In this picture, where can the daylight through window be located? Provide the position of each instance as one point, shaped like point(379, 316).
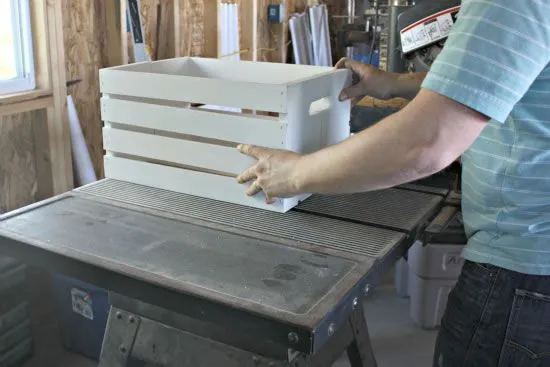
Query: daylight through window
point(16, 56)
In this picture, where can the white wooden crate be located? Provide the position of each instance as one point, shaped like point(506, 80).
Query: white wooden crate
point(154, 135)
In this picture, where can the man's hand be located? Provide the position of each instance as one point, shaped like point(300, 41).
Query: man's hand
point(373, 82)
point(367, 81)
point(274, 173)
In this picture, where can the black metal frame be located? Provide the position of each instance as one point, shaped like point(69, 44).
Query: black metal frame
point(139, 333)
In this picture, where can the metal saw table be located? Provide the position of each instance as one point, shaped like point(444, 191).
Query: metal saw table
point(198, 282)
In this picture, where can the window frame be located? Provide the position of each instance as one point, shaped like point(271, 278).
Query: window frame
point(23, 49)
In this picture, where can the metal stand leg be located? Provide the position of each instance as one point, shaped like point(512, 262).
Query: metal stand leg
point(119, 338)
point(360, 351)
point(352, 338)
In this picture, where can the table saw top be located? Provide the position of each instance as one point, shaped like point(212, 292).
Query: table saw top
point(296, 272)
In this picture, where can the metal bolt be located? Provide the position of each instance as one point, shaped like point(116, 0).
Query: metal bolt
point(119, 315)
point(331, 329)
point(293, 338)
point(355, 303)
point(131, 319)
point(367, 289)
point(122, 349)
point(255, 359)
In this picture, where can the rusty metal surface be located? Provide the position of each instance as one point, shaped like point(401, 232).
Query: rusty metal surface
point(254, 271)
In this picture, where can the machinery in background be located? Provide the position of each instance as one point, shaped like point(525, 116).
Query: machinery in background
point(361, 36)
point(396, 35)
point(418, 33)
point(408, 36)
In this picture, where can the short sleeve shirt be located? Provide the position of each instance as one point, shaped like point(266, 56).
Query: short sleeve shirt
point(496, 61)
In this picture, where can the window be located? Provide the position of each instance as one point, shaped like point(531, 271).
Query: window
point(16, 56)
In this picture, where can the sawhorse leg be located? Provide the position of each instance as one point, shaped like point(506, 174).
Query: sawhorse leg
point(353, 338)
point(131, 339)
point(360, 351)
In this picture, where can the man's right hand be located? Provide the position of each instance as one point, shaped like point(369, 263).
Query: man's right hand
point(367, 81)
point(379, 84)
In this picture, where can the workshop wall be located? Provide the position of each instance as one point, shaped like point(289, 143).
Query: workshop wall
point(19, 165)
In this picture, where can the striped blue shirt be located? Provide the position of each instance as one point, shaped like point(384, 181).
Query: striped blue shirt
point(496, 61)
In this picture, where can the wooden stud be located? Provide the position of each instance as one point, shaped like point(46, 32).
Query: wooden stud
point(210, 21)
point(58, 124)
point(115, 30)
point(177, 28)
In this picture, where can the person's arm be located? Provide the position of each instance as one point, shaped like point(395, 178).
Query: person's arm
point(494, 54)
point(407, 85)
point(397, 150)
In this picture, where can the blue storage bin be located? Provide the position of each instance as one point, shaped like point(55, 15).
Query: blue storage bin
point(82, 311)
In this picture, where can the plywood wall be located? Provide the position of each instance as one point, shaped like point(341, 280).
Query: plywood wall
point(20, 161)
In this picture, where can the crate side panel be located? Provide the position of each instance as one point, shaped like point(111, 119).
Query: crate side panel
point(179, 151)
point(305, 132)
point(255, 96)
point(316, 117)
point(185, 181)
point(246, 129)
point(338, 125)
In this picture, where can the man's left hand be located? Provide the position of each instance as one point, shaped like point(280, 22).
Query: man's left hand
point(275, 172)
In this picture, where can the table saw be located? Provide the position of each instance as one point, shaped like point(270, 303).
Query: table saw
point(199, 282)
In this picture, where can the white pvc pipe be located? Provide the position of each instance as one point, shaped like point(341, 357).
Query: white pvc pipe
point(315, 26)
point(82, 162)
point(326, 37)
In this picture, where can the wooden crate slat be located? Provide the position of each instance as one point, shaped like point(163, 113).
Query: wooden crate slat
point(189, 182)
point(255, 96)
point(237, 128)
point(183, 152)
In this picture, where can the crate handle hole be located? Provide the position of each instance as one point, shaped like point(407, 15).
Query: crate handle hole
point(320, 105)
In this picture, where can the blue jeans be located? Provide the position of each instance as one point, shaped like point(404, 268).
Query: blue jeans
point(495, 318)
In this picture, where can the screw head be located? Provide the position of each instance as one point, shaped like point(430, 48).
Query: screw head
point(331, 329)
point(293, 338)
point(131, 319)
point(119, 315)
point(367, 289)
point(355, 303)
point(255, 359)
point(122, 349)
